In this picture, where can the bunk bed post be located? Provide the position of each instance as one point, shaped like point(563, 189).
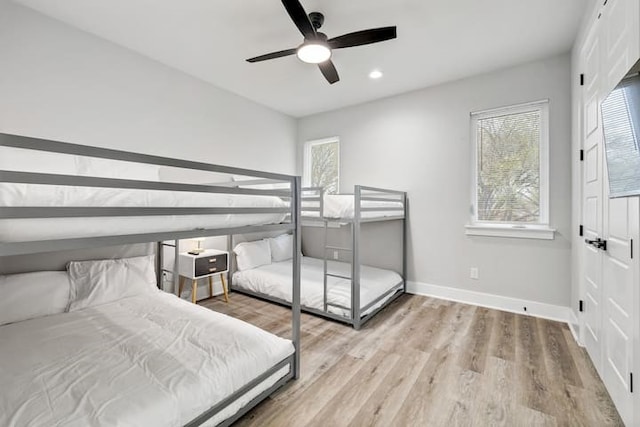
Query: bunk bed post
point(230, 261)
point(297, 258)
point(176, 274)
point(355, 265)
point(324, 260)
point(321, 195)
point(159, 265)
point(404, 242)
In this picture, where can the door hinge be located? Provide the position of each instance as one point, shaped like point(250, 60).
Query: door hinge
point(581, 79)
point(631, 247)
point(581, 230)
point(630, 382)
point(582, 155)
point(581, 306)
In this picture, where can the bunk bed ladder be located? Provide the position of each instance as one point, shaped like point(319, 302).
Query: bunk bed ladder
point(354, 260)
point(327, 250)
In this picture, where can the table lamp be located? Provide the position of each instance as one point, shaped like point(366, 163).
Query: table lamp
point(199, 249)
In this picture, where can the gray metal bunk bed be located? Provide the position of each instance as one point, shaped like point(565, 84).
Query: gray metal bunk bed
point(365, 205)
point(291, 224)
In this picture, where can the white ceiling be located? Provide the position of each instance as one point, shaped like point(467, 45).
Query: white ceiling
point(437, 41)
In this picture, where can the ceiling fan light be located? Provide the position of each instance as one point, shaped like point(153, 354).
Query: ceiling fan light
point(313, 53)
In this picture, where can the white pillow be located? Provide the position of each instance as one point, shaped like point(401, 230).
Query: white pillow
point(100, 282)
point(281, 247)
point(30, 295)
point(106, 168)
point(252, 254)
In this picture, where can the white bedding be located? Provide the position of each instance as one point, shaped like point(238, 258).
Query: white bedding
point(343, 206)
point(275, 280)
point(149, 360)
point(15, 230)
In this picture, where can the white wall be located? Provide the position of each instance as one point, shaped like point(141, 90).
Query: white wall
point(60, 83)
point(419, 142)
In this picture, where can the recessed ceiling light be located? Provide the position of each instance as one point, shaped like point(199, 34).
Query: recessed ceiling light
point(375, 74)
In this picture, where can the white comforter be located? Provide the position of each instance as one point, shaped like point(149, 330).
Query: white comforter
point(151, 360)
point(275, 280)
point(15, 230)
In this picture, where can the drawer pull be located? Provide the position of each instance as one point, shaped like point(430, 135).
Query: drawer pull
point(212, 269)
point(212, 260)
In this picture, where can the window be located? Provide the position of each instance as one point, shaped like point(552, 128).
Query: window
point(510, 179)
point(322, 164)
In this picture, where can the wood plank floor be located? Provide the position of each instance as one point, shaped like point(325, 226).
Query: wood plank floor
point(428, 362)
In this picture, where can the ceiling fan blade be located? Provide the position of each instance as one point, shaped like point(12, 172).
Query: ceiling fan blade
point(272, 55)
point(329, 71)
point(300, 18)
point(363, 37)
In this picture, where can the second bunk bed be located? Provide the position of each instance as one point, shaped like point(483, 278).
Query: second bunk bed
point(349, 290)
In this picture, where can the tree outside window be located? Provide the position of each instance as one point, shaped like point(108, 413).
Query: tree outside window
point(322, 164)
point(510, 173)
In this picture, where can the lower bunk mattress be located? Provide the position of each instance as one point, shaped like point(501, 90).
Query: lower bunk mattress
point(275, 280)
point(139, 361)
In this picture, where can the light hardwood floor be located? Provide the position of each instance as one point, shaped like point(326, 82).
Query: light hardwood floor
point(428, 362)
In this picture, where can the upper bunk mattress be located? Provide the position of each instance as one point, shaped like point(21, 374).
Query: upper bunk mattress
point(149, 360)
point(342, 206)
point(275, 280)
point(17, 230)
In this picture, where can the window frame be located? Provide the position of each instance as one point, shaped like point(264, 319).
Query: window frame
point(306, 168)
point(538, 229)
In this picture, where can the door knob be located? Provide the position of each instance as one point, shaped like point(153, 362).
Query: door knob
point(598, 243)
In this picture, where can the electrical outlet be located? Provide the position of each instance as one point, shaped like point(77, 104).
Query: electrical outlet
point(335, 254)
point(474, 273)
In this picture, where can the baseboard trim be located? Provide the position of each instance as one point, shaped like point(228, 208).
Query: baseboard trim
point(573, 327)
point(513, 305)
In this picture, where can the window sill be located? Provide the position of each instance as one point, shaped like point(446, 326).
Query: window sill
point(541, 232)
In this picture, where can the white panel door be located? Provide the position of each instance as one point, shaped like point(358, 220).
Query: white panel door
point(592, 198)
point(619, 305)
point(621, 39)
point(610, 323)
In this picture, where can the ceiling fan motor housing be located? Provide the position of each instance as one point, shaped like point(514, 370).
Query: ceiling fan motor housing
point(317, 19)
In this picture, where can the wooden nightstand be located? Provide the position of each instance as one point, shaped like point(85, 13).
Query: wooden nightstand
point(207, 264)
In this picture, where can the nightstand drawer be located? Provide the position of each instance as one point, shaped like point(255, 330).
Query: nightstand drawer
point(210, 265)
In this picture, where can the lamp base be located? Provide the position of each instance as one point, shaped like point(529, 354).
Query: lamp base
point(197, 251)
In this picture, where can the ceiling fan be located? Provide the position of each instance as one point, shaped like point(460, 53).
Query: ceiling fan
point(316, 48)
